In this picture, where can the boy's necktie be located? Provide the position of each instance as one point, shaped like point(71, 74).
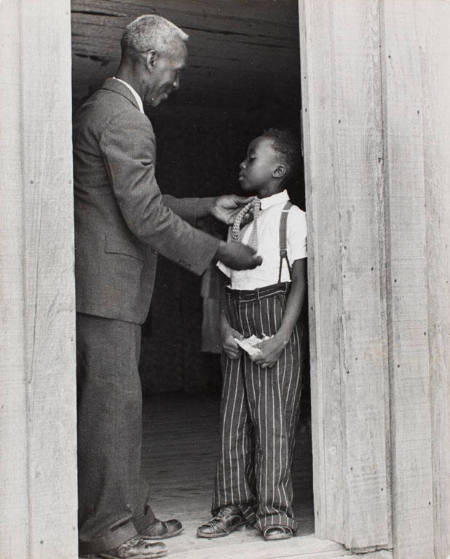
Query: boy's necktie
point(255, 208)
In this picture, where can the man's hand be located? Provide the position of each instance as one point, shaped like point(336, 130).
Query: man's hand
point(225, 208)
point(238, 256)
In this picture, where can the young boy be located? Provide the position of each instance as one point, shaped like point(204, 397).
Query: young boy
point(261, 394)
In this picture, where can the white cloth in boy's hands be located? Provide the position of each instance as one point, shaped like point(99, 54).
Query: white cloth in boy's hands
point(249, 344)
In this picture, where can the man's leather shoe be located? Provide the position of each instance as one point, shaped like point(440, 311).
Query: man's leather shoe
point(139, 547)
point(226, 521)
point(161, 530)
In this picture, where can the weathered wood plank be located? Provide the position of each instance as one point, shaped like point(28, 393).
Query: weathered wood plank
point(323, 311)
point(434, 40)
point(219, 28)
point(37, 364)
point(13, 396)
point(234, 45)
point(407, 282)
point(363, 352)
point(255, 12)
point(343, 151)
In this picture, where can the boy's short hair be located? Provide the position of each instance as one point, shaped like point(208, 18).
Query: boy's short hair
point(285, 143)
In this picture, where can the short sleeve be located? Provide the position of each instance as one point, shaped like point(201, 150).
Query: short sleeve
point(296, 234)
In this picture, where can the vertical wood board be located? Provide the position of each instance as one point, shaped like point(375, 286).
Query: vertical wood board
point(434, 46)
point(358, 171)
point(407, 281)
point(41, 385)
point(323, 288)
point(341, 90)
point(13, 394)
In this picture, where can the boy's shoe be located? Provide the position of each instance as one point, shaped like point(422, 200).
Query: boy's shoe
point(226, 521)
point(277, 533)
point(138, 547)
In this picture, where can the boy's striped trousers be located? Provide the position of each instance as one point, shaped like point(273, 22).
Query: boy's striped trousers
point(259, 413)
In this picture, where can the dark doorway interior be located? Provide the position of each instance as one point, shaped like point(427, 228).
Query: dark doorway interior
point(243, 77)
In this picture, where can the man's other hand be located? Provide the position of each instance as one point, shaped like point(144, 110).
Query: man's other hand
point(238, 256)
point(225, 208)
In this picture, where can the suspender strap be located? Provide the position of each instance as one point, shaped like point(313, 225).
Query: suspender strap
point(283, 241)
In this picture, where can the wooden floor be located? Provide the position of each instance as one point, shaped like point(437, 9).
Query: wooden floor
point(179, 454)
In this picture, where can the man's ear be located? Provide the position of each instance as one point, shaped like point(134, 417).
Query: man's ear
point(280, 171)
point(150, 58)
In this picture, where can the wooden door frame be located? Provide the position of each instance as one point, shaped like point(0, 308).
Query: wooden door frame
point(38, 506)
point(374, 83)
point(348, 328)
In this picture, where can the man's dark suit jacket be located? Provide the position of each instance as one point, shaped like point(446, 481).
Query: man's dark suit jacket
point(121, 219)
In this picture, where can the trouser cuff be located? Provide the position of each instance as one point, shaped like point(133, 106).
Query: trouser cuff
point(117, 534)
point(264, 522)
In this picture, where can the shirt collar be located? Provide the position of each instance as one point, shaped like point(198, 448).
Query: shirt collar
point(134, 92)
point(275, 199)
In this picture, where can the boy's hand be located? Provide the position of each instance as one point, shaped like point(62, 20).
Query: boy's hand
point(230, 347)
point(270, 351)
point(225, 208)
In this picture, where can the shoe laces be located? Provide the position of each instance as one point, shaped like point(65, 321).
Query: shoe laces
point(137, 541)
point(226, 512)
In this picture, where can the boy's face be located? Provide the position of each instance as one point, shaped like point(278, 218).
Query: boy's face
point(258, 168)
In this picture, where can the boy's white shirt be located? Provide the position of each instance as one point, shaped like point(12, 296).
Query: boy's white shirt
point(269, 244)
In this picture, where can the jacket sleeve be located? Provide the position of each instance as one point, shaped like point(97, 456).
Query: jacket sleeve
point(189, 209)
point(128, 147)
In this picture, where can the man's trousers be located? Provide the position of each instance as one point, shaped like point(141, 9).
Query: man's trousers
point(112, 495)
point(259, 414)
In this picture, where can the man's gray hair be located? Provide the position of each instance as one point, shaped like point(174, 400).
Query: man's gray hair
point(152, 32)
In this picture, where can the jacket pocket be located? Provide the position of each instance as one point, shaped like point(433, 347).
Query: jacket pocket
point(114, 245)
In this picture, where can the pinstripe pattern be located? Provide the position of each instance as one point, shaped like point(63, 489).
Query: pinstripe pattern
point(259, 413)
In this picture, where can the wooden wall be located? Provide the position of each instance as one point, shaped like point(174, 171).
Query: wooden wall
point(416, 78)
point(375, 83)
point(422, 45)
point(403, 102)
point(240, 51)
point(38, 504)
point(434, 40)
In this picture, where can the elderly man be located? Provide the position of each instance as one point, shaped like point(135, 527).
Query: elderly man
point(122, 221)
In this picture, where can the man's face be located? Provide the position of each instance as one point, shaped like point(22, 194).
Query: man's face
point(257, 169)
point(164, 75)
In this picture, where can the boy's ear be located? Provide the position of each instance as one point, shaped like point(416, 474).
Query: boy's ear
point(150, 58)
point(280, 171)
